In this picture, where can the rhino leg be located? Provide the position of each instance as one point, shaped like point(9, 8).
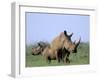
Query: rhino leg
point(58, 59)
point(66, 58)
point(59, 56)
point(48, 59)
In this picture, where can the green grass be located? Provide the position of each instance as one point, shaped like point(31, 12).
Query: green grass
point(80, 58)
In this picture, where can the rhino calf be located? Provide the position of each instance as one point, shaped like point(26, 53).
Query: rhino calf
point(38, 50)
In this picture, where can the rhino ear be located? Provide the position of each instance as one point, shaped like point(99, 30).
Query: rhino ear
point(39, 44)
point(65, 32)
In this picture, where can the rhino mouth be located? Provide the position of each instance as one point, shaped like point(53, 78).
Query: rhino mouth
point(36, 53)
point(74, 51)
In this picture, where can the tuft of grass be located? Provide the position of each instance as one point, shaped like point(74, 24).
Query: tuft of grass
point(79, 58)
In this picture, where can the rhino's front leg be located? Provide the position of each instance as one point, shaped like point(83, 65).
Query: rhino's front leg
point(60, 56)
point(48, 59)
point(57, 58)
point(66, 59)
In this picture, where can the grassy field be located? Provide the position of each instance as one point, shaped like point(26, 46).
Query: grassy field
point(81, 57)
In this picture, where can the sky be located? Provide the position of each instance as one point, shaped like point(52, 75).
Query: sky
point(46, 26)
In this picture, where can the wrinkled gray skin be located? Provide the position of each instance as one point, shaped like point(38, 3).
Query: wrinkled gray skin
point(60, 48)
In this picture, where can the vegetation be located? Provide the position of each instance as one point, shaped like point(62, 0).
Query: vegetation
point(79, 58)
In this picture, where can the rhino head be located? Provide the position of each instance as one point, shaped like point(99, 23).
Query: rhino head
point(68, 44)
point(37, 50)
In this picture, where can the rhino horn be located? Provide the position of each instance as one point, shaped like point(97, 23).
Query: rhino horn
point(77, 44)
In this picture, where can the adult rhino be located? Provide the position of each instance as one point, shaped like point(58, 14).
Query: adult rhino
point(61, 43)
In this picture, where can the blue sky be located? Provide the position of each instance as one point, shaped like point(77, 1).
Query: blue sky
point(45, 27)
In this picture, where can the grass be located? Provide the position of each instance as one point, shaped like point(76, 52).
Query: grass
point(80, 58)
